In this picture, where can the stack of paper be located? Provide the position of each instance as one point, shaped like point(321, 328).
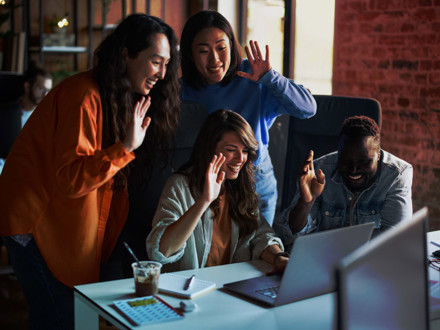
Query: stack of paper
point(175, 285)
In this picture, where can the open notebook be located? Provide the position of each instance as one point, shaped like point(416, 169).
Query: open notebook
point(174, 285)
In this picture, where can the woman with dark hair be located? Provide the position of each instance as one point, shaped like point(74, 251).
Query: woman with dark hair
point(208, 212)
point(63, 187)
point(214, 74)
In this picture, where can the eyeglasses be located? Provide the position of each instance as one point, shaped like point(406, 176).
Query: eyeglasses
point(434, 263)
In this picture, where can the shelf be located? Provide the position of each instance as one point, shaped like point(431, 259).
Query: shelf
point(104, 28)
point(59, 49)
point(68, 46)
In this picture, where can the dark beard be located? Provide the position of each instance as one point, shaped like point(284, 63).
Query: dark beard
point(33, 99)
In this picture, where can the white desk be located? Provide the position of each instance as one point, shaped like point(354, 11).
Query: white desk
point(221, 310)
point(215, 310)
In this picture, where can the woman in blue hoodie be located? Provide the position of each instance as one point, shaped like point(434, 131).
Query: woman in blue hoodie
point(214, 74)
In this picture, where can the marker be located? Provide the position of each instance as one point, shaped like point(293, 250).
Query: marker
point(436, 244)
point(189, 282)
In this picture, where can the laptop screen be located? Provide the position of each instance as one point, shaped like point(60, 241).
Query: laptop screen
point(384, 284)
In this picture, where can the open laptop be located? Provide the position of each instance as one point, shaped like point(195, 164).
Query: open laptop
point(384, 284)
point(310, 271)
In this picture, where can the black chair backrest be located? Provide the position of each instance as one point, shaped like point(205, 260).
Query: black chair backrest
point(320, 133)
point(11, 86)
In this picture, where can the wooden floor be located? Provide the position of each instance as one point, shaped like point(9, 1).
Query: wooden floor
point(14, 311)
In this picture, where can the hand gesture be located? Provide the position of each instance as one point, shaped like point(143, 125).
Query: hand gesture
point(139, 125)
point(214, 178)
point(259, 66)
point(310, 185)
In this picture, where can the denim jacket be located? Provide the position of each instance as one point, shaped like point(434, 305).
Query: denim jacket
point(385, 202)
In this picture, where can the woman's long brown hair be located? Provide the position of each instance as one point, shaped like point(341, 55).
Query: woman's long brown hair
point(242, 197)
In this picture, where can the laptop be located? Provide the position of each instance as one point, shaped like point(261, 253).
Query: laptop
point(384, 284)
point(310, 271)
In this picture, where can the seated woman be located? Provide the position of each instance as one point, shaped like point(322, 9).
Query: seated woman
point(208, 212)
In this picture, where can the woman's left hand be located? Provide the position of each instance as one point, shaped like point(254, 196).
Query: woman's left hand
point(214, 178)
point(259, 65)
point(139, 124)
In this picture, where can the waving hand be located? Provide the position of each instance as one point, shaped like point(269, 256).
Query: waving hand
point(178, 232)
point(139, 125)
point(214, 178)
point(259, 65)
point(310, 184)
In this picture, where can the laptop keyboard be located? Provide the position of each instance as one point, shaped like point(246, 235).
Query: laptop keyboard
point(271, 292)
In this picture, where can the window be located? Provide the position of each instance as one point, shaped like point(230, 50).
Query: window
point(265, 24)
point(314, 44)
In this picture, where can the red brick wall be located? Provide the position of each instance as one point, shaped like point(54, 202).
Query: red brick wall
point(390, 50)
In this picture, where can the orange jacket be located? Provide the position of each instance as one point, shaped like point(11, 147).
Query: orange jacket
point(57, 183)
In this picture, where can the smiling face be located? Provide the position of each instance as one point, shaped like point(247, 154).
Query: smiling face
point(150, 65)
point(236, 154)
point(211, 53)
point(358, 161)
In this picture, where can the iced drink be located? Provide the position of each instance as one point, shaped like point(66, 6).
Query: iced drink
point(146, 278)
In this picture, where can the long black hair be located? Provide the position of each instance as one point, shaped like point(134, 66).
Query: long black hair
point(133, 35)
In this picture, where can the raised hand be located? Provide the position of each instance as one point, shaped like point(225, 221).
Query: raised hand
point(214, 178)
point(178, 232)
point(139, 125)
point(259, 65)
point(310, 184)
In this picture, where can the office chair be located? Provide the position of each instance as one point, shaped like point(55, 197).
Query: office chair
point(11, 86)
point(320, 133)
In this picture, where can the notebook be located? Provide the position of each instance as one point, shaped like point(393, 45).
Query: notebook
point(310, 271)
point(147, 310)
point(174, 285)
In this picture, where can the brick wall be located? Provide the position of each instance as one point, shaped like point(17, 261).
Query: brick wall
point(390, 50)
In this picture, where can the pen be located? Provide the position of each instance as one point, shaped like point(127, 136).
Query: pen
point(436, 244)
point(189, 282)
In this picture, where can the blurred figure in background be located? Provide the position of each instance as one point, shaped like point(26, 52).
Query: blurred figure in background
point(13, 115)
